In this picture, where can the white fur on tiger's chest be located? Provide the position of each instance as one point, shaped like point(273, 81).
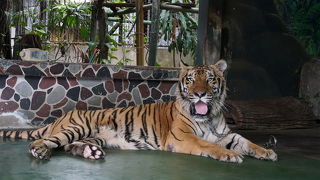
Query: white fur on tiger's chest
point(205, 132)
point(210, 137)
point(114, 139)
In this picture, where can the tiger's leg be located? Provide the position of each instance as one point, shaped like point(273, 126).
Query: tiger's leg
point(188, 143)
point(243, 146)
point(41, 148)
point(88, 148)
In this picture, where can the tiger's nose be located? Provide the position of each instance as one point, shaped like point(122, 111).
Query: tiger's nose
point(200, 94)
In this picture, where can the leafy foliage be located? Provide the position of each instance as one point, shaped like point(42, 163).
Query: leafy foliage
point(181, 29)
point(70, 16)
point(20, 18)
point(62, 17)
point(303, 19)
point(69, 22)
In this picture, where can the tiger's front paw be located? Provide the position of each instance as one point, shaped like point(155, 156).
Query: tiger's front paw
point(40, 150)
point(266, 154)
point(228, 156)
point(85, 150)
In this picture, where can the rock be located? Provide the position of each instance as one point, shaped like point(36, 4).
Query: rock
point(267, 5)
point(310, 86)
point(247, 81)
point(242, 21)
point(275, 23)
point(282, 56)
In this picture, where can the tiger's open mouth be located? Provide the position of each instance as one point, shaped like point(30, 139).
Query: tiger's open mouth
point(200, 108)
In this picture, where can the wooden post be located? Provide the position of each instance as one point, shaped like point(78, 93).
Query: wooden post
point(93, 25)
point(209, 32)
point(139, 33)
point(102, 31)
point(202, 31)
point(155, 17)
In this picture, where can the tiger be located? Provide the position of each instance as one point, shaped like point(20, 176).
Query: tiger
point(193, 124)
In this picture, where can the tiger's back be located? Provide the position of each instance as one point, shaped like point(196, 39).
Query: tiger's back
point(135, 127)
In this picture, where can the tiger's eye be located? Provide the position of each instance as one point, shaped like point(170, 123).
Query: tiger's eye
point(189, 79)
point(210, 79)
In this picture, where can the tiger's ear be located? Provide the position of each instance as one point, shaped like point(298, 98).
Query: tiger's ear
point(184, 65)
point(221, 65)
point(184, 68)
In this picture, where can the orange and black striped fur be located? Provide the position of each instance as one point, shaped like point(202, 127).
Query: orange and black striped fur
point(192, 124)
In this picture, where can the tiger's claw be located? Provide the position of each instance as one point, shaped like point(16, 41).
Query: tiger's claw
point(40, 150)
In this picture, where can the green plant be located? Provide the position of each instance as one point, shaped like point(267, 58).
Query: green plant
point(20, 18)
point(68, 22)
point(181, 30)
point(71, 17)
point(303, 19)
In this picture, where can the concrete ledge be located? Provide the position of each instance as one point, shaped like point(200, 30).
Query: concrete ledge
point(14, 121)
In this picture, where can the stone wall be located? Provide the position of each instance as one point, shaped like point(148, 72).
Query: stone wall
point(41, 92)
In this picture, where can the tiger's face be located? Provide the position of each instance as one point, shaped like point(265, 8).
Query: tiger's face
point(203, 90)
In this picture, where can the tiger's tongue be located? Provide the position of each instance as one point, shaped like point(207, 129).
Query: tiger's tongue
point(201, 108)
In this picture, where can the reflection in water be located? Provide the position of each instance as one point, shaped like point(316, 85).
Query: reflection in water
point(12, 140)
point(272, 143)
point(34, 163)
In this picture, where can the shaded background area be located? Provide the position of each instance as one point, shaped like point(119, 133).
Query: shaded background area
point(266, 57)
point(266, 43)
point(272, 49)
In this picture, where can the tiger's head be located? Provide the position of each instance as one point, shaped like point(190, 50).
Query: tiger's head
point(202, 90)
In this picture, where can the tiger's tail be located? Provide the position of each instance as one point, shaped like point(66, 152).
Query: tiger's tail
point(25, 134)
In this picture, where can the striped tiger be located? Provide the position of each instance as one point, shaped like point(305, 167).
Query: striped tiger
point(192, 124)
